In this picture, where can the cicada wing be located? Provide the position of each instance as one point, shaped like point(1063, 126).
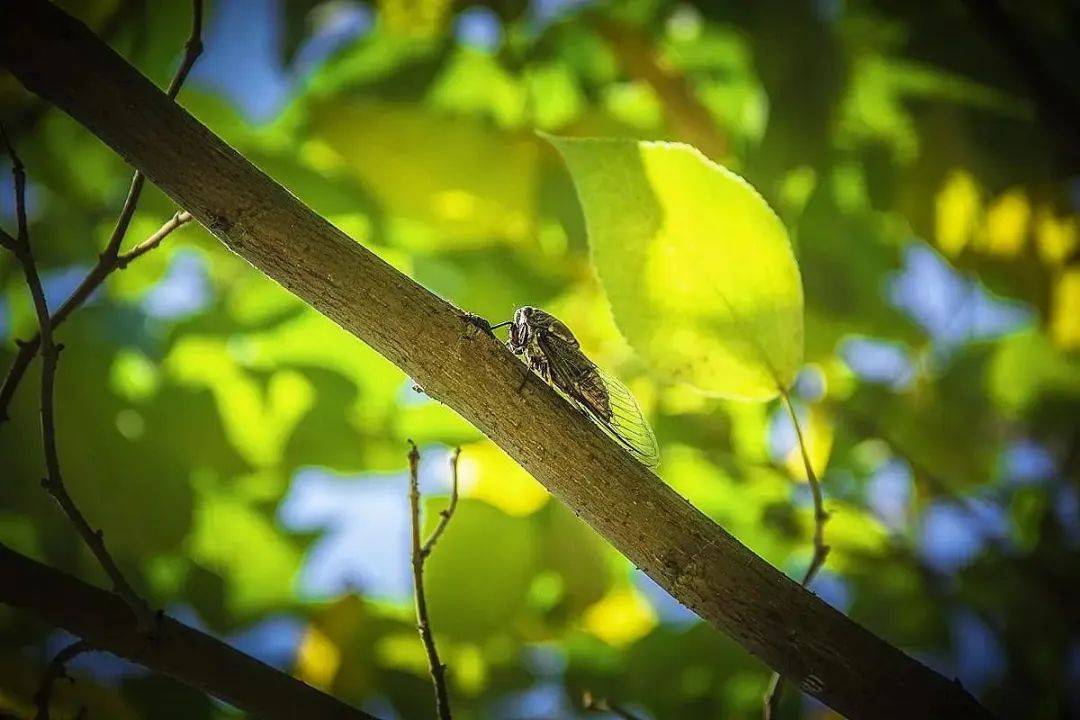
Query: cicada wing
point(628, 423)
point(607, 401)
point(553, 325)
point(567, 364)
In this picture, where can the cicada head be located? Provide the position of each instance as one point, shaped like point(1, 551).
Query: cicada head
point(521, 330)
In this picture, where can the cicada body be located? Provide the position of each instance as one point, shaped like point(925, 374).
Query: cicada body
point(553, 352)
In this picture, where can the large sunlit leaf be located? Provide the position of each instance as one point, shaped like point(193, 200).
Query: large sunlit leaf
point(698, 269)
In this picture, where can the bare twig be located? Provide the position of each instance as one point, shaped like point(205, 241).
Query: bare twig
point(591, 703)
point(57, 670)
point(775, 690)
point(111, 258)
point(179, 219)
point(53, 481)
point(29, 348)
point(420, 553)
point(6, 241)
point(446, 513)
point(192, 50)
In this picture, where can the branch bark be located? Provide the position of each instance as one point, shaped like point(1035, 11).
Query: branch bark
point(103, 620)
point(704, 567)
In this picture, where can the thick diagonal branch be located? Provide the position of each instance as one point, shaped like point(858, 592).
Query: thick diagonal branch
point(197, 660)
point(704, 567)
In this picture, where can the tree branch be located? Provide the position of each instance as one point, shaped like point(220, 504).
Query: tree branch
point(56, 670)
point(111, 259)
point(195, 659)
point(775, 690)
point(420, 554)
point(591, 703)
point(446, 513)
point(704, 567)
point(50, 354)
point(28, 349)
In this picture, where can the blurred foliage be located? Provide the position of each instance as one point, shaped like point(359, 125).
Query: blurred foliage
point(245, 457)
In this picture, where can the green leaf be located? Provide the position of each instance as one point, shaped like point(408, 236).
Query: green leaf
point(698, 269)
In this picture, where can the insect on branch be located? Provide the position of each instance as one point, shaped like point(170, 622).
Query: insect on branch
point(420, 553)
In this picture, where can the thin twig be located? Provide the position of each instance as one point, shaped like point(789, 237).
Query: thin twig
point(179, 219)
point(29, 348)
point(591, 703)
point(6, 241)
point(53, 481)
point(56, 671)
point(192, 50)
point(821, 550)
point(420, 553)
point(446, 513)
point(111, 258)
point(773, 694)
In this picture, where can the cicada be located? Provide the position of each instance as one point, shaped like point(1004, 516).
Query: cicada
point(552, 351)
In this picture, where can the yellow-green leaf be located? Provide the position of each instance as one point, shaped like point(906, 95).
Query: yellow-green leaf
point(698, 269)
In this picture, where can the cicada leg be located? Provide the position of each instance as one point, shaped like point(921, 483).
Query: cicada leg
point(540, 365)
point(524, 379)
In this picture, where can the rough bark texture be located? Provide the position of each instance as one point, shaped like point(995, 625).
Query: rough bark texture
point(704, 567)
point(106, 622)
